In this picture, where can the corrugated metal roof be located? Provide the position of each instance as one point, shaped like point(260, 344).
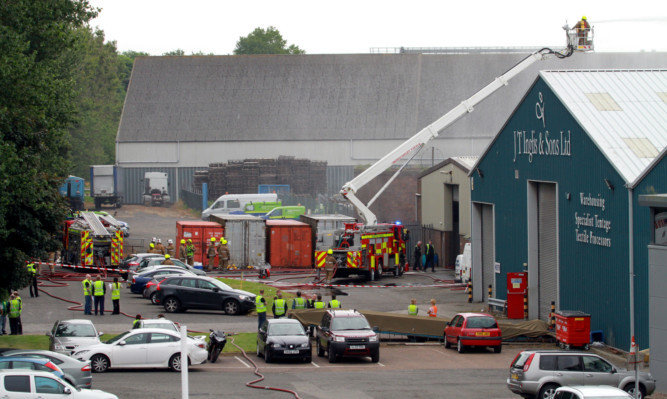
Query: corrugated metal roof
point(630, 137)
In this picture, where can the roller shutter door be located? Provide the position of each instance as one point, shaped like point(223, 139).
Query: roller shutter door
point(547, 248)
point(487, 249)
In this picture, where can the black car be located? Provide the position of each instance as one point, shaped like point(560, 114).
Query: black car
point(179, 293)
point(283, 338)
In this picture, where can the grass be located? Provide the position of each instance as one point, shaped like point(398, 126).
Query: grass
point(253, 287)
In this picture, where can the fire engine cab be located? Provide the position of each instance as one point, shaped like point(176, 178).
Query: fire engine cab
point(368, 251)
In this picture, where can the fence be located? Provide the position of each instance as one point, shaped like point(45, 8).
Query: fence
point(192, 199)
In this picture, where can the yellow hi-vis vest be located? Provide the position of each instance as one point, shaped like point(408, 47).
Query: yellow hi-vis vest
point(413, 310)
point(14, 308)
point(260, 306)
point(334, 303)
point(31, 269)
point(115, 290)
point(280, 307)
point(86, 288)
point(319, 305)
point(99, 288)
point(299, 303)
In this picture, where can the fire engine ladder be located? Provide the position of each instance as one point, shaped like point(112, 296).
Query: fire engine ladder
point(111, 220)
point(96, 226)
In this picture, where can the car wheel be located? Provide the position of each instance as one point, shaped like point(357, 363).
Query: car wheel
point(320, 349)
point(447, 343)
point(547, 391)
point(498, 349)
point(268, 356)
point(215, 354)
point(99, 363)
point(459, 346)
point(630, 388)
point(375, 357)
point(172, 305)
point(332, 355)
point(231, 307)
point(154, 298)
point(175, 362)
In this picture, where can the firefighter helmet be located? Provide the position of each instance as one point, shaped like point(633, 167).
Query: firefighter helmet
point(212, 239)
point(224, 242)
point(170, 241)
point(330, 251)
point(584, 17)
point(182, 241)
point(152, 245)
point(167, 256)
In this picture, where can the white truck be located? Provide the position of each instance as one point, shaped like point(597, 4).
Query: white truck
point(106, 185)
point(156, 189)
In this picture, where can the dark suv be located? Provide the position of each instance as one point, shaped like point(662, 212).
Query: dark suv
point(346, 333)
point(538, 373)
point(178, 293)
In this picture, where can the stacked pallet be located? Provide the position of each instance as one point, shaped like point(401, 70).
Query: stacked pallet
point(235, 178)
point(200, 177)
point(250, 172)
point(217, 179)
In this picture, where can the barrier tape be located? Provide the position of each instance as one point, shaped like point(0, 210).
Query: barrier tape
point(99, 269)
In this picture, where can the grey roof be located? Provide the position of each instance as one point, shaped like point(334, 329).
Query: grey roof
point(623, 111)
point(464, 163)
point(328, 97)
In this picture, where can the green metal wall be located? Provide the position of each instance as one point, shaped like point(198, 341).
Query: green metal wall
point(593, 277)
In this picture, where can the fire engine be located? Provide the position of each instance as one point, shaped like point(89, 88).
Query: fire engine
point(92, 239)
point(367, 249)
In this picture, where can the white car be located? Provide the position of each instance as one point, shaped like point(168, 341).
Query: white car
point(24, 384)
point(591, 392)
point(142, 348)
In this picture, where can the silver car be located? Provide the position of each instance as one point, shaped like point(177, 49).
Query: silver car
point(538, 373)
point(75, 372)
point(66, 336)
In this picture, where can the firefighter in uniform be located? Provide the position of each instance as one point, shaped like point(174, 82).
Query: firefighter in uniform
point(87, 294)
point(329, 266)
point(151, 248)
point(582, 28)
point(210, 254)
point(99, 289)
point(223, 254)
point(413, 310)
point(167, 260)
point(182, 254)
point(299, 302)
point(34, 292)
point(260, 307)
point(170, 249)
point(279, 306)
point(190, 252)
point(15, 308)
point(115, 296)
point(334, 303)
point(159, 248)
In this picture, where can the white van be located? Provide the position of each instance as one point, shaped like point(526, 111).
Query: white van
point(229, 203)
point(463, 269)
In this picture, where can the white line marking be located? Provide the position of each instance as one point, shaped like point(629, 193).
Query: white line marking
point(380, 364)
point(315, 364)
point(242, 362)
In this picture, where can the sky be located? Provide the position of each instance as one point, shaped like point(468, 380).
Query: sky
point(354, 27)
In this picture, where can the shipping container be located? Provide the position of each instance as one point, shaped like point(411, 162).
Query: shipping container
point(289, 244)
point(322, 227)
point(200, 233)
point(246, 239)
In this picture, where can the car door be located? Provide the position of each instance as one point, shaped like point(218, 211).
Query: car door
point(598, 371)
point(325, 330)
point(49, 388)
point(130, 351)
point(452, 330)
point(186, 292)
point(209, 295)
point(16, 387)
point(160, 348)
point(569, 370)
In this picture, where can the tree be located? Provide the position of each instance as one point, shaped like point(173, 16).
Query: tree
point(268, 41)
point(39, 56)
point(125, 64)
point(178, 52)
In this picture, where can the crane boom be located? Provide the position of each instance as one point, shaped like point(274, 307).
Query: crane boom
point(419, 140)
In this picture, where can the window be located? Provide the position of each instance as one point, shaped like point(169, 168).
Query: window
point(481, 322)
point(206, 285)
point(566, 395)
point(459, 322)
point(158, 338)
point(137, 339)
point(17, 383)
point(48, 385)
point(75, 330)
point(595, 364)
point(27, 366)
point(568, 363)
point(233, 204)
point(188, 282)
point(548, 362)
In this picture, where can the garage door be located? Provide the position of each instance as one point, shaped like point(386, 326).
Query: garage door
point(487, 249)
point(547, 219)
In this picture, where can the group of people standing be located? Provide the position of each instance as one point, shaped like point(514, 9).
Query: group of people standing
point(11, 309)
point(280, 306)
point(429, 256)
point(94, 291)
point(413, 310)
point(156, 247)
point(221, 250)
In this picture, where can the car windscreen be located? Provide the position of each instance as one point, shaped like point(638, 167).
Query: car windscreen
point(166, 326)
point(116, 338)
point(349, 323)
point(220, 284)
point(286, 329)
point(75, 330)
point(481, 322)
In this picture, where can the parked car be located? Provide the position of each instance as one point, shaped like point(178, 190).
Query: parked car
point(179, 293)
point(30, 363)
point(76, 373)
point(540, 372)
point(157, 261)
point(473, 329)
point(42, 384)
point(132, 262)
point(66, 336)
point(158, 323)
point(346, 333)
point(142, 348)
point(140, 280)
point(283, 338)
point(150, 291)
point(591, 392)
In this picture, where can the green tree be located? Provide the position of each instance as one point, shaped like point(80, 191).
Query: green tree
point(39, 54)
point(99, 102)
point(125, 64)
point(177, 52)
point(265, 41)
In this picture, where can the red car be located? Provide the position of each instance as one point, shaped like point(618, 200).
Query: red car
point(473, 329)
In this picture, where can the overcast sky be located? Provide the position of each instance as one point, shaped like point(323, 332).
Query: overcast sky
point(356, 26)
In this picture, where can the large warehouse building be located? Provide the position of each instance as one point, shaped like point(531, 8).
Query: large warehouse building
point(183, 113)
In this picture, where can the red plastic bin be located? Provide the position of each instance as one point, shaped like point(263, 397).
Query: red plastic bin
point(573, 328)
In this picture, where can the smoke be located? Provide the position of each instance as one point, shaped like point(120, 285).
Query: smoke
point(640, 19)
